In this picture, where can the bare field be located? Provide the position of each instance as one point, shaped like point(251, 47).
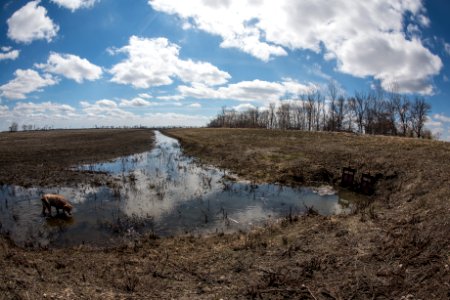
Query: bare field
point(43, 157)
point(395, 244)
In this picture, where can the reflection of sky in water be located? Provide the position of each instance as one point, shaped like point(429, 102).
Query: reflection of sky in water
point(161, 191)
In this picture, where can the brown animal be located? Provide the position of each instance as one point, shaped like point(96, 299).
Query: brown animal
point(58, 201)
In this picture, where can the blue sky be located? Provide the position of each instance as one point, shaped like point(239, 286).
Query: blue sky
point(81, 63)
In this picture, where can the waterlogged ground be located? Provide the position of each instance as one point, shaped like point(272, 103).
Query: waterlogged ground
point(162, 192)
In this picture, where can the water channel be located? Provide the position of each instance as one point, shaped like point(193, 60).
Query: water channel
point(162, 192)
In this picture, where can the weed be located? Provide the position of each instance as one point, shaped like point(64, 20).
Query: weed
point(310, 210)
point(131, 280)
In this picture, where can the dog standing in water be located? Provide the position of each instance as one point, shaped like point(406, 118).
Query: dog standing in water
point(58, 201)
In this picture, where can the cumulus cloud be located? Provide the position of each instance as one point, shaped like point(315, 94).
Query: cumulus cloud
point(366, 38)
point(72, 67)
point(145, 95)
point(4, 110)
point(105, 108)
point(73, 5)
point(195, 105)
point(255, 90)
point(31, 23)
point(171, 97)
point(103, 112)
point(174, 119)
point(155, 62)
point(441, 118)
point(46, 114)
point(8, 53)
point(244, 107)
point(25, 82)
point(135, 102)
point(44, 109)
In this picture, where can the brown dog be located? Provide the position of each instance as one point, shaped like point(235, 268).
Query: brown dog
point(58, 201)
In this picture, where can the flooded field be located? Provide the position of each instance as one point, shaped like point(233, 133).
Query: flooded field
point(160, 192)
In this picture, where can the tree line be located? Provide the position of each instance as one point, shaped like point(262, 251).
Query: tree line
point(374, 112)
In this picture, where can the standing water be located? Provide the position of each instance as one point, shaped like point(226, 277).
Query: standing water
point(162, 192)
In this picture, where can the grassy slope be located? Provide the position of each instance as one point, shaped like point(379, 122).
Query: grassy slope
point(398, 247)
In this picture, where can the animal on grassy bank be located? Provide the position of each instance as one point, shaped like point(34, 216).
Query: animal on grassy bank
point(58, 201)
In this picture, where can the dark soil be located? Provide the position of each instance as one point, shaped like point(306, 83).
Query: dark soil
point(395, 245)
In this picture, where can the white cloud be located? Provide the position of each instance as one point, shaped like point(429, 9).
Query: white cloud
point(171, 97)
point(135, 102)
point(31, 109)
point(72, 67)
point(447, 48)
point(73, 5)
point(366, 38)
point(8, 53)
point(25, 82)
point(442, 118)
point(154, 62)
point(244, 107)
point(432, 123)
point(31, 23)
point(195, 105)
point(105, 108)
point(423, 20)
point(391, 59)
point(100, 113)
point(4, 110)
point(38, 114)
point(174, 119)
point(256, 90)
point(145, 95)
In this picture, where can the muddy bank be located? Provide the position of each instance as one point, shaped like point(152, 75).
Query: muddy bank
point(395, 245)
point(43, 158)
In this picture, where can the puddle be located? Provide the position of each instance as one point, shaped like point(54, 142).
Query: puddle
point(162, 192)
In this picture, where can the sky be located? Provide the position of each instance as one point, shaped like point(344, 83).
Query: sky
point(86, 63)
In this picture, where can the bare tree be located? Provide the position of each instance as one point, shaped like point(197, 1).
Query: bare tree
point(284, 116)
point(374, 112)
point(14, 127)
point(358, 105)
point(402, 108)
point(309, 107)
point(298, 116)
point(272, 116)
point(419, 111)
point(332, 120)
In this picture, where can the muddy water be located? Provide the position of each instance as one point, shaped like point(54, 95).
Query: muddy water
point(161, 192)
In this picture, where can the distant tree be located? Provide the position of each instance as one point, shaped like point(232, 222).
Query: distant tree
point(358, 105)
point(373, 112)
point(284, 116)
point(272, 117)
point(332, 120)
point(14, 127)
